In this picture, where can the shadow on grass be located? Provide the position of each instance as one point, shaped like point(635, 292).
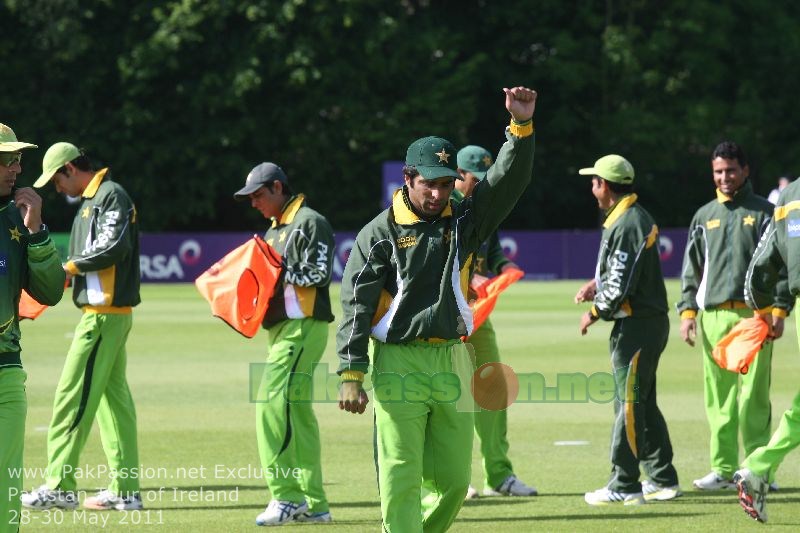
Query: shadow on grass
point(204, 488)
point(488, 502)
point(618, 516)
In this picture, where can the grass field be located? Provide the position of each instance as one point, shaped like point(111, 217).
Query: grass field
point(189, 376)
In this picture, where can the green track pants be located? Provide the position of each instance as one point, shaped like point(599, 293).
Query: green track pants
point(13, 408)
point(640, 435)
point(766, 459)
point(93, 382)
point(734, 404)
point(423, 433)
point(491, 426)
point(286, 427)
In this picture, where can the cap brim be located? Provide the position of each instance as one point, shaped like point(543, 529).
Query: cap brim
point(246, 191)
point(479, 175)
point(591, 171)
point(15, 146)
point(432, 173)
point(42, 180)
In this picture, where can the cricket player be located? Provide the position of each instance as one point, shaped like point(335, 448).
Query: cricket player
point(490, 426)
point(629, 290)
point(28, 260)
point(297, 324)
point(103, 263)
point(723, 236)
point(777, 255)
point(405, 285)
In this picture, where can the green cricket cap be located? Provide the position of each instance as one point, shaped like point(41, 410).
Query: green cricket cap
point(9, 142)
point(611, 167)
point(475, 159)
point(433, 157)
point(54, 158)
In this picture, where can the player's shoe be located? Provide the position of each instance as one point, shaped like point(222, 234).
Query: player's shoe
point(324, 516)
point(713, 481)
point(44, 498)
point(655, 492)
point(752, 494)
point(773, 487)
point(511, 487)
point(105, 500)
point(605, 496)
point(280, 512)
point(472, 493)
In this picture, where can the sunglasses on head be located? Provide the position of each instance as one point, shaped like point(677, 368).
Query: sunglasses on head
point(8, 159)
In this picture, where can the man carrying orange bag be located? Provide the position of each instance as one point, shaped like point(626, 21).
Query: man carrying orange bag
point(297, 323)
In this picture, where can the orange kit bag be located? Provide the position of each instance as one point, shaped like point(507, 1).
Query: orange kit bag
point(239, 286)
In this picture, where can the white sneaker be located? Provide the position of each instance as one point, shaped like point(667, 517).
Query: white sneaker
point(653, 491)
point(511, 487)
point(280, 512)
point(105, 500)
point(752, 494)
point(605, 496)
point(471, 493)
point(44, 498)
point(713, 481)
point(314, 517)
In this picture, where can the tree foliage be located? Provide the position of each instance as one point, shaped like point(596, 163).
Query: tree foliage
point(182, 97)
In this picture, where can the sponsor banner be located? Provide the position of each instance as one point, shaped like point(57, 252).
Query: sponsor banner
point(175, 257)
point(557, 254)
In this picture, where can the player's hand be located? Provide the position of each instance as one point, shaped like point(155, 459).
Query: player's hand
point(587, 319)
point(777, 327)
point(520, 102)
point(689, 330)
point(30, 207)
point(352, 397)
point(586, 292)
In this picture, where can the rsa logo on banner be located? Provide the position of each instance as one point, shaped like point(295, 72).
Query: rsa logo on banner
point(170, 267)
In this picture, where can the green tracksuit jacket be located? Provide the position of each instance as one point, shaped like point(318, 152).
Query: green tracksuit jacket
point(723, 235)
point(407, 278)
point(304, 238)
point(27, 261)
point(628, 274)
point(104, 247)
point(489, 259)
point(777, 256)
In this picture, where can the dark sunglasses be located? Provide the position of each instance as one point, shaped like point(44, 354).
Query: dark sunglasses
point(8, 159)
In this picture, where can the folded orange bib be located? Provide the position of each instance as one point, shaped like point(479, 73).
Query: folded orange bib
point(488, 293)
point(736, 350)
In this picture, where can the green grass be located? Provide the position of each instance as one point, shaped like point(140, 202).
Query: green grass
point(189, 376)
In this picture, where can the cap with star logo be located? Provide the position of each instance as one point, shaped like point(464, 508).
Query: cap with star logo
point(475, 159)
point(433, 157)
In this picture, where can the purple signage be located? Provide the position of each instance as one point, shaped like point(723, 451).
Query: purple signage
point(557, 254)
point(392, 180)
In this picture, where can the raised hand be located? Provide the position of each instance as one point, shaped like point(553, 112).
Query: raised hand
point(520, 102)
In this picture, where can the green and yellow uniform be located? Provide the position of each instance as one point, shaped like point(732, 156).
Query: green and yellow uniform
point(631, 292)
point(490, 426)
point(104, 262)
point(297, 324)
point(405, 285)
point(777, 258)
point(30, 262)
point(723, 236)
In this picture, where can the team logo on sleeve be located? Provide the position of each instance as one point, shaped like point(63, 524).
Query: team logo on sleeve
point(793, 227)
